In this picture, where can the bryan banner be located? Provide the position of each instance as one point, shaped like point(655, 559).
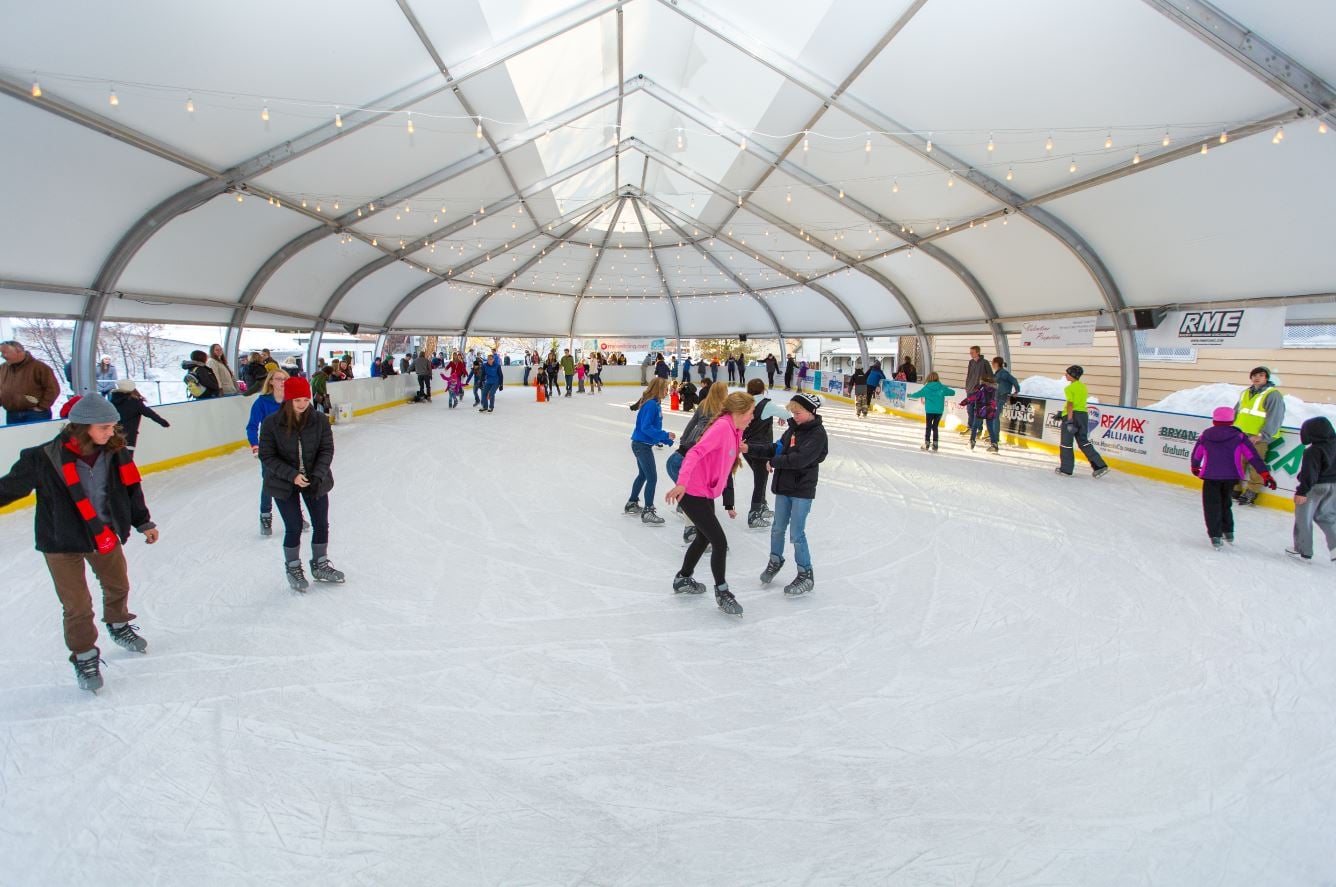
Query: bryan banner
point(895, 393)
point(1023, 417)
point(1221, 328)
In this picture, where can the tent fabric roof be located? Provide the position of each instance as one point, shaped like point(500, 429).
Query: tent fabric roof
point(656, 166)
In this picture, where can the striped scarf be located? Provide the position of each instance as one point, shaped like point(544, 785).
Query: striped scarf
point(104, 538)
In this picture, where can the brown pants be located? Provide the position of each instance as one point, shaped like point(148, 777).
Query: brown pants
point(67, 572)
point(1254, 482)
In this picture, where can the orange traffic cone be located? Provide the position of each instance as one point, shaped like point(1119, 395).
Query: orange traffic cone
point(542, 394)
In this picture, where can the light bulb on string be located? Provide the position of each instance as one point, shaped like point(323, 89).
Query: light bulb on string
point(239, 197)
point(841, 193)
point(113, 99)
point(1279, 136)
point(336, 204)
point(1203, 149)
point(1224, 136)
point(895, 187)
point(477, 131)
point(1048, 142)
point(36, 90)
point(1322, 127)
point(951, 179)
point(1164, 142)
point(1072, 168)
point(410, 122)
point(338, 120)
point(190, 105)
point(867, 145)
point(807, 143)
point(264, 113)
point(1136, 157)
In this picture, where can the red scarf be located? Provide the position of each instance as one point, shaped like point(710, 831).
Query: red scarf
point(104, 538)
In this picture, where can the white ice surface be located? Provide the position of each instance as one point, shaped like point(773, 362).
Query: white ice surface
point(1003, 677)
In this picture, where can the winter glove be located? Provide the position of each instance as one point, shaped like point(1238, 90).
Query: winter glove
point(1268, 481)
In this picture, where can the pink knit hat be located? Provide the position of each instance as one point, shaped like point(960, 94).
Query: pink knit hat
point(1224, 415)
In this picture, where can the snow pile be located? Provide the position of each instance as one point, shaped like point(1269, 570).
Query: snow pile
point(1200, 401)
point(1049, 389)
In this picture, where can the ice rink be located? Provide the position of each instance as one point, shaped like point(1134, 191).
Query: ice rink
point(1002, 677)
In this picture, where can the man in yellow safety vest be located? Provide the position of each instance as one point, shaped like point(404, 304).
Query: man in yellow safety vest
point(1259, 414)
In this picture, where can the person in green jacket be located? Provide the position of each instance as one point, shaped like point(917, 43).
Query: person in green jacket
point(934, 395)
point(568, 367)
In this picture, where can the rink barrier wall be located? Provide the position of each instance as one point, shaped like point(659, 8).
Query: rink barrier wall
point(202, 429)
point(1182, 478)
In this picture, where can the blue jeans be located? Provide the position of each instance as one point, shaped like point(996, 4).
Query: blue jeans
point(489, 395)
point(648, 475)
point(23, 417)
point(527, 370)
point(674, 465)
point(791, 514)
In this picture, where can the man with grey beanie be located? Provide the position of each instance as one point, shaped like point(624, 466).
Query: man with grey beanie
point(89, 496)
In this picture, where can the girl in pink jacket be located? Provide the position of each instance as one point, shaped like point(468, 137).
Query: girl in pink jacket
point(704, 474)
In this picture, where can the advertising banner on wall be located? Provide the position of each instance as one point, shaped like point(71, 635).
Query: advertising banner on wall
point(608, 346)
point(895, 393)
point(1220, 328)
point(1061, 332)
point(1023, 417)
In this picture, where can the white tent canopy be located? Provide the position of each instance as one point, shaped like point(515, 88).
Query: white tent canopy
point(653, 167)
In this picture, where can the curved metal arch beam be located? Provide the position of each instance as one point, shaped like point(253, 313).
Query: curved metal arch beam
point(442, 176)
point(887, 226)
point(830, 296)
point(664, 215)
point(515, 275)
point(886, 283)
point(593, 267)
point(672, 299)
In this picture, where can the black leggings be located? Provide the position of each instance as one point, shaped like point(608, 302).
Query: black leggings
point(930, 430)
point(708, 532)
point(1218, 507)
point(291, 511)
point(760, 476)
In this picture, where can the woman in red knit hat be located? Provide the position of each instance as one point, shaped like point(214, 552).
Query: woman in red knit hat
point(296, 449)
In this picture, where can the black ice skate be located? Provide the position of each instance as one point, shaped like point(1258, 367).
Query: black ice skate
point(125, 636)
point(772, 569)
point(266, 524)
point(724, 598)
point(86, 670)
point(323, 571)
point(688, 535)
point(757, 520)
point(687, 585)
point(632, 507)
point(1217, 543)
point(765, 509)
point(296, 578)
point(651, 517)
point(1100, 472)
point(801, 584)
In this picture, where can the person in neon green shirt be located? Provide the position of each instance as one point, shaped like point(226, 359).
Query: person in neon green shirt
point(1075, 425)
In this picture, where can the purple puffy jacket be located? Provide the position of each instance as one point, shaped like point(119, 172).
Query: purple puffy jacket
point(1222, 451)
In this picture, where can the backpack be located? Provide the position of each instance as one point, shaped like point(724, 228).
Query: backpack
point(193, 386)
point(760, 433)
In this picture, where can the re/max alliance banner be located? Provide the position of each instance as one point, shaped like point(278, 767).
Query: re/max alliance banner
point(1220, 328)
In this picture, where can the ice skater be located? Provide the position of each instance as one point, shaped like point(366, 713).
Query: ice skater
point(1219, 458)
point(982, 405)
point(1075, 427)
point(1315, 495)
point(700, 420)
point(89, 496)
point(705, 473)
point(296, 451)
point(648, 434)
point(268, 402)
point(797, 456)
point(759, 436)
point(934, 395)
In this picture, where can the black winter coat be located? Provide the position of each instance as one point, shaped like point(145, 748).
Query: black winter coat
point(253, 374)
point(132, 410)
point(795, 467)
point(205, 377)
point(60, 529)
point(1319, 462)
point(279, 455)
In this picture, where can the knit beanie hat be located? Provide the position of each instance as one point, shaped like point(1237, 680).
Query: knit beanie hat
point(1263, 370)
point(1075, 371)
point(808, 400)
point(125, 385)
point(296, 387)
point(93, 409)
point(1223, 416)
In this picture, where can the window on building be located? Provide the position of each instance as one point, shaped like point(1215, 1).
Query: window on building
point(1311, 336)
point(1165, 355)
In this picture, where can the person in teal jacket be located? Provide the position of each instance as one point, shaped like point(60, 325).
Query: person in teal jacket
point(934, 395)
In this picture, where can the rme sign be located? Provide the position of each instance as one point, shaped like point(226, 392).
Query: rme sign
point(1211, 323)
